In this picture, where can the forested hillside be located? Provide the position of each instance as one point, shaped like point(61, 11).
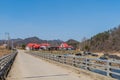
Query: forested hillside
point(105, 41)
point(73, 43)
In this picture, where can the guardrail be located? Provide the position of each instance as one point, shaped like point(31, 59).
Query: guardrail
point(5, 64)
point(105, 67)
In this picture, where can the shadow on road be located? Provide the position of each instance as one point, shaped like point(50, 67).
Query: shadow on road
point(48, 76)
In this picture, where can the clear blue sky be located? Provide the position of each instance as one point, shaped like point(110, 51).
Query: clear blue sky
point(58, 19)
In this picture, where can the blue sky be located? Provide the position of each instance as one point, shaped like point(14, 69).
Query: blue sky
point(58, 19)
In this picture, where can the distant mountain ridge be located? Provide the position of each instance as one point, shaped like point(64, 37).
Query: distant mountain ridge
point(37, 40)
point(20, 42)
point(29, 40)
point(53, 43)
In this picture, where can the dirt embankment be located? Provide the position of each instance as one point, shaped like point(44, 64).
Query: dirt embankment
point(3, 51)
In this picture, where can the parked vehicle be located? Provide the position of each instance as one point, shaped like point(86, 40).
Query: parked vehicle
point(78, 54)
point(103, 58)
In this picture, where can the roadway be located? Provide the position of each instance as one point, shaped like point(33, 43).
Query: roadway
point(27, 67)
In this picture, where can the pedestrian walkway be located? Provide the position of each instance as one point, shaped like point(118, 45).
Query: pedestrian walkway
point(27, 67)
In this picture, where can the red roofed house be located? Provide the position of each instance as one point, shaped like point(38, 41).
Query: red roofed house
point(65, 46)
point(44, 46)
point(32, 46)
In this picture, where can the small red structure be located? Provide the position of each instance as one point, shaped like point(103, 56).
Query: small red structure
point(65, 46)
point(35, 46)
point(45, 44)
point(30, 45)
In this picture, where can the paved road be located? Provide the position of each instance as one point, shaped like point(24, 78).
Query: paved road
point(27, 67)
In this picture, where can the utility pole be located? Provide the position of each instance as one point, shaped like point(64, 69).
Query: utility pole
point(12, 46)
point(8, 40)
point(84, 43)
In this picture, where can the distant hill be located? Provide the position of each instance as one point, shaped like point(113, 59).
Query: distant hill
point(17, 40)
point(29, 40)
point(2, 42)
point(12, 40)
point(36, 40)
point(105, 41)
point(73, 43)
point(54, 43)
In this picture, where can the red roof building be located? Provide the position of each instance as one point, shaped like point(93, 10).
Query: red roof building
point(65, 45)
point(45, 44)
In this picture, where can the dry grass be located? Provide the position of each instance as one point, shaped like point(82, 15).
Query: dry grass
point(3, 51)
point(72, 52)
point(62, 52)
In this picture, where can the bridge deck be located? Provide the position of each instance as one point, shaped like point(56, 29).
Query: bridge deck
point(27, 67)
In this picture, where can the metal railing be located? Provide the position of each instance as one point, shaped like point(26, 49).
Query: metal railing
point(105, 67)
point(5, 64)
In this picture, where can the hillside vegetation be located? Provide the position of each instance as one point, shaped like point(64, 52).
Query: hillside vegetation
point(106, 41)
point(73, 43)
